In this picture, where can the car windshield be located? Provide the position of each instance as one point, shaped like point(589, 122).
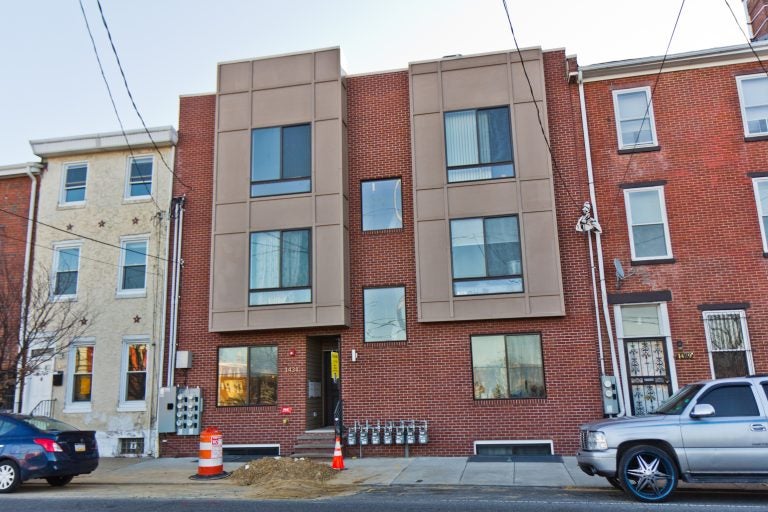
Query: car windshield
point(48, 424)
point(678, 402)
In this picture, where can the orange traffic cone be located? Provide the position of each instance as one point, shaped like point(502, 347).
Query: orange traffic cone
point(338, 459)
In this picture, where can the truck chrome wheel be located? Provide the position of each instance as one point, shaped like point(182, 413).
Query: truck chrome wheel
point(648, 473)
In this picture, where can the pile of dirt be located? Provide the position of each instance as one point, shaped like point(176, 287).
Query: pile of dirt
point(286, 478)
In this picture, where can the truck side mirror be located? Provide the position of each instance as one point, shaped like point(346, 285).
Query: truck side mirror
point(702, 411)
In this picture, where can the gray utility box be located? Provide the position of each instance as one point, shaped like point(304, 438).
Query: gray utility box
point(610, 395)
point(189, 411)
point(166, 414)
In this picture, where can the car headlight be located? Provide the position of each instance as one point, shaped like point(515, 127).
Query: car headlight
point(596, 441)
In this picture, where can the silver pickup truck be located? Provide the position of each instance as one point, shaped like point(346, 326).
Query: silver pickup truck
point(709, 431)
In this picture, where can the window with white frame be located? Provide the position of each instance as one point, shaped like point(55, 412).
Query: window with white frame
point(753, 95)
point(133, 266)
point(647, 222)
point(81, 374)
point(133, 383)
point(761, 198)
point(728, 343)
point(66, 268)
point(73, 184)
point(635, 125)
point(139, 182)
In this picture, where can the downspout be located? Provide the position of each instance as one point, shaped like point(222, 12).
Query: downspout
point(175, 276)
point(598, 240)
point(27, 265)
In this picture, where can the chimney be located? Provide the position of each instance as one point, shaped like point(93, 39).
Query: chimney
point(757, 18)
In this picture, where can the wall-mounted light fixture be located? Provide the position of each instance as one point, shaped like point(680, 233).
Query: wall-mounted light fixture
point(354, 355)
point(679, 344)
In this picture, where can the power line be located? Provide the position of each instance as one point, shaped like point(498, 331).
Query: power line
point(749, 42)
point(85, 237)
point(133, 102)
point(112, 100)
point(538, 112)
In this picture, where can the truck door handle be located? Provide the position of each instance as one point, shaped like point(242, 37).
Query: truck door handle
point(757, 427)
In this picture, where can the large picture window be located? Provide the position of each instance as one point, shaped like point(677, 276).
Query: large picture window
point(486, 256)
point(384, 314)
point(281, 160)
point(247, 376)
point(753, 93)
point(280, 265)
point(728, 343)
point(478, 144)
point(508, 366)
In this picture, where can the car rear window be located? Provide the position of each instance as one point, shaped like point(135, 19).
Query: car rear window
point(731, 401)
point(48, 424)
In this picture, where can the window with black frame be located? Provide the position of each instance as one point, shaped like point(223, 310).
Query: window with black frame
point(281, 160)
point(508, 366)
point(478, 144)
point(247, 376)
point(486, 256)
point(280, 267)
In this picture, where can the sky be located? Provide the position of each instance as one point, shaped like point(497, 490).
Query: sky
point(50, 84)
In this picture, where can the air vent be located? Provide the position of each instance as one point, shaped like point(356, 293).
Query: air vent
point(131, 446)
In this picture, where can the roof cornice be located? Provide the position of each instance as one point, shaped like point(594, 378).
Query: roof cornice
point(101, 142)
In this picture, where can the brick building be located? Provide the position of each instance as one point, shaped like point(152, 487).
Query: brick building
point(404, 221)
point(18, 194)
point(682, 192)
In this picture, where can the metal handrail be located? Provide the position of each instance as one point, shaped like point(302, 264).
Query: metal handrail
point(44, 408)
point(338, 418)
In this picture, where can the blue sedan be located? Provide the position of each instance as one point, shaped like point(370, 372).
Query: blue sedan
point(40, 447)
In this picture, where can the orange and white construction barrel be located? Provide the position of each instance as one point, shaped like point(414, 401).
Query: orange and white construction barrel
point(211, 456)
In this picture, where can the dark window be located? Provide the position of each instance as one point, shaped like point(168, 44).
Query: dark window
point(281, 160)
point(280, 266)
point(5, 427)
point(247, 376)
point(382, 204)
point(384, 314)
point(486, 256)
point(74, 183)
point(765, 389)
point(67, 268)
point(731, 401)
point(514, 449)
point(508, 366)
point(478, 144)
point(134, 266)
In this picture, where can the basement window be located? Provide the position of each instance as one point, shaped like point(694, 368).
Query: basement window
point(131, 445)
point(513, 448)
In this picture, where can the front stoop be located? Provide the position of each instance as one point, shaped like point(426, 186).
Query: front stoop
point(315, 445)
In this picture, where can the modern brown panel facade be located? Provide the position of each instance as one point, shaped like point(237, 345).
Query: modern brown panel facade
point(456, 85)
point(284, 91)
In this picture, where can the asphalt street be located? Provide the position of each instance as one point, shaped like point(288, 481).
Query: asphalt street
point(407, 498)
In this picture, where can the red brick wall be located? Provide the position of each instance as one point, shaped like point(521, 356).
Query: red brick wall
point(14, 197)
point(429, 377)
point(758, 17)
point(713, 221)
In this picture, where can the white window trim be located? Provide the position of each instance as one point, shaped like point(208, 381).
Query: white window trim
point(62, 188)
point(745, 332)
point(58, 246)
point(664, 332)
point(127, 197)
point(69, 405)
point(133, 405)
point(139, 292)
point(651, 119)
point(742, 106)
point(760, 213)
point(665, 221)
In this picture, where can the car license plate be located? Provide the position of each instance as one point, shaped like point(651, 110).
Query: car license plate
point(79, 447)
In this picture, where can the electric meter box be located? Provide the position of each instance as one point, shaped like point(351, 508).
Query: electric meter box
point(189, 411)
point(610, 395)
point(166, 414)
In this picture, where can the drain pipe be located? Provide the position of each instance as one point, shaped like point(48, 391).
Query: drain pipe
point(178, 215)
point(27, 262)
point(598, 240)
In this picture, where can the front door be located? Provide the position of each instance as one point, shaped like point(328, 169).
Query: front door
point(38, 386)
point(648, 371)
point(330, 389)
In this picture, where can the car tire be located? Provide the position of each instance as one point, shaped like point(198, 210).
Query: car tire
point(59, 481)
point(10, 477)
point(647, 473)
point(615, 483)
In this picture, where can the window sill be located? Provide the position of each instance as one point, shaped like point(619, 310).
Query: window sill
point(138, 407)
point(382, 231)
point(131, 295)
point(132, 200)
point(77, 409)
point(505, 179)
point(388, 342)
point(756, 138)
point(510, 401)
point(63, 298)
point(660, 261)
point(71, 206)
point(641, 149)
